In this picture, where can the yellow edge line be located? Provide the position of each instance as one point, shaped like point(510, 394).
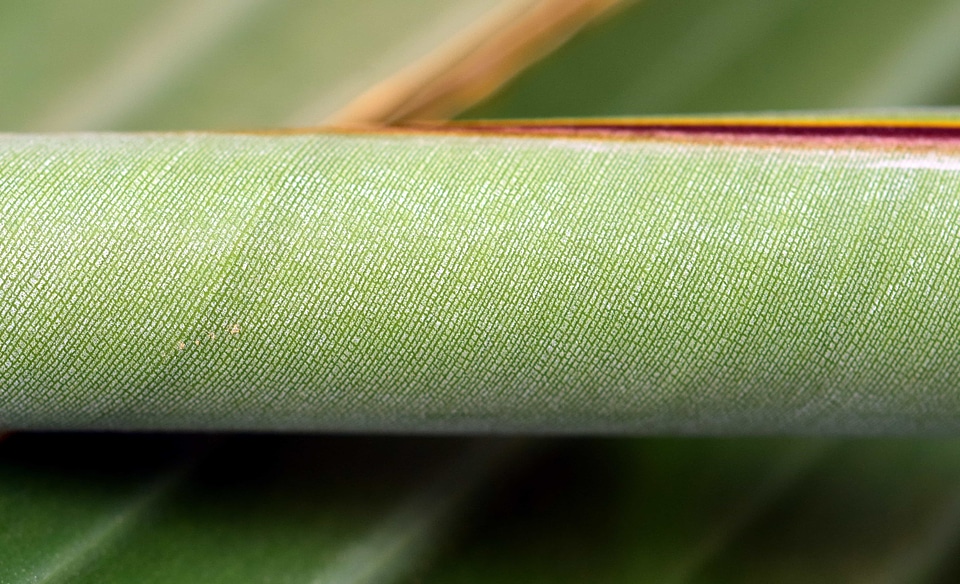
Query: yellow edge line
point(710, 121)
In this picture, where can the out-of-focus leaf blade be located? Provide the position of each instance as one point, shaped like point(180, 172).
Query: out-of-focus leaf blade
point(256, 509)
point(684, 281)
point(670, 511)
point(877, 511)
point(192, 64)
point(665, 57)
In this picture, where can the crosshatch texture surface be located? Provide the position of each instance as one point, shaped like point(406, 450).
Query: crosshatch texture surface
point(457, 283)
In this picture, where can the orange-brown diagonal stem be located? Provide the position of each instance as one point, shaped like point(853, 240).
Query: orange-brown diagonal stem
point(475, 64)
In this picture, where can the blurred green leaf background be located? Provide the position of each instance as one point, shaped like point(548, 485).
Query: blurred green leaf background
point(296, 508)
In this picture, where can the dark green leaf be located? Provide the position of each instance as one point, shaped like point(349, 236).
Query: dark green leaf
point(698, 56)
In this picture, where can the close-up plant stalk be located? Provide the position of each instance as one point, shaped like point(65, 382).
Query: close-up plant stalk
point(479, 291)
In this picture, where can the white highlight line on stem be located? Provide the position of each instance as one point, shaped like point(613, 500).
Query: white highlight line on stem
point(926, 163)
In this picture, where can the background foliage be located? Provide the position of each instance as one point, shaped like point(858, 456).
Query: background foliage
point(172, 508)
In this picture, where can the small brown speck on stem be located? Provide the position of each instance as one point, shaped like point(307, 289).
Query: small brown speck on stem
point(235, 329)
point(181, 345)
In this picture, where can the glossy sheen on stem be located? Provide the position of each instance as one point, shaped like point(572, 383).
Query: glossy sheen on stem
point(472, 282)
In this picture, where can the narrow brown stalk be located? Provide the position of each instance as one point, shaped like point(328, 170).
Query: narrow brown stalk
point(475, 64)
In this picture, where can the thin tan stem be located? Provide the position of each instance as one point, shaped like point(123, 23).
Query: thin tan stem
point(475, 64)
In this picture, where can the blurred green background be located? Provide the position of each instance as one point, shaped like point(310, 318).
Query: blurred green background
point(202, 508)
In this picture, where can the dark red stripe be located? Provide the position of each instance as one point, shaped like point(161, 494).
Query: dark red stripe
point(938, 132)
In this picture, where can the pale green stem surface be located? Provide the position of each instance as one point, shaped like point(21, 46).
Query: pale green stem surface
point(452, 283)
